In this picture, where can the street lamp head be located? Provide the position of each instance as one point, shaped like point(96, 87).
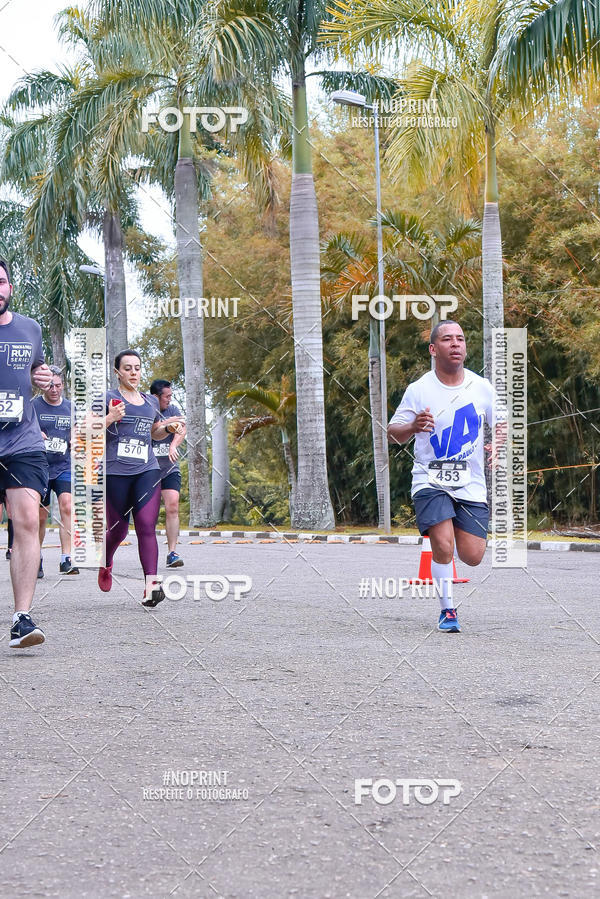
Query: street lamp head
point(349, 98)
point(91, 270)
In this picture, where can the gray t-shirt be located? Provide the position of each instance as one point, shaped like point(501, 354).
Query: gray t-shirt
point(128, 442)
point(161, 447)
point(20, 351)
point(55, 422)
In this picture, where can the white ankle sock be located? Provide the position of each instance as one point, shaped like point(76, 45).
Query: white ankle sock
point(442, 577)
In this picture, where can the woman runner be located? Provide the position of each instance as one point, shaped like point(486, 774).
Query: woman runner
point(132, 471)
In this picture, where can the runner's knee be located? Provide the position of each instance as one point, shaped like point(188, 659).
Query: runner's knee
point(442, 549)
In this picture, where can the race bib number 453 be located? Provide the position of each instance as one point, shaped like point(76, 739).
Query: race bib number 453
point(11, 406)
point(449, 475)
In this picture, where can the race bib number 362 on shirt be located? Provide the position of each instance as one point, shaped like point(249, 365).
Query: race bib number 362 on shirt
point(11, 406)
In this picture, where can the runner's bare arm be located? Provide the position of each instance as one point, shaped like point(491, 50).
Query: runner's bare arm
point(160, 429)
point(422, 423)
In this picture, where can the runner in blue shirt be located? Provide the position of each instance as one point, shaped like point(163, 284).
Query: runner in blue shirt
point(54, 414)
point(23, 463)
point(132, 472)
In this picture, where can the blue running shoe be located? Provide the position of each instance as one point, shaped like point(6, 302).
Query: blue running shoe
point(449, 621)
point(25, 632)
point(174, 561)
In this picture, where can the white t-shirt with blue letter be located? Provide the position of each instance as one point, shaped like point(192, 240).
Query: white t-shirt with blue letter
point(458, 414)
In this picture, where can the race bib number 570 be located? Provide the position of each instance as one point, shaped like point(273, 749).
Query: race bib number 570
point(133, 449)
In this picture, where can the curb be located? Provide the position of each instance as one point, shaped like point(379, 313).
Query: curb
point(408, 540)
point(370, 539)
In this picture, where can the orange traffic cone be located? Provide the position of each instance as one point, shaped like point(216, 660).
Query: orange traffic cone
point(424, 576)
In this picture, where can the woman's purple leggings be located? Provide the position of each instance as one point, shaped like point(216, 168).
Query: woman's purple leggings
point(140, 494)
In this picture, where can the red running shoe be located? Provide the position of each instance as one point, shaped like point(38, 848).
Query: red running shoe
point(105, 578)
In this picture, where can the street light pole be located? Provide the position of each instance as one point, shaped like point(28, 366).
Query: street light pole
point(100, 273)
point(352, 98)
point(387, 524)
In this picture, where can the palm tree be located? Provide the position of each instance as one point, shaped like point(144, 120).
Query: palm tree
point(280, 405)
point(549, 45)
point(51, 289)
point(483, 62)
point(455, 41)
point(156, 56)
point(221, 485)
point(73, 172)
point(280, 37)
point(45, 254)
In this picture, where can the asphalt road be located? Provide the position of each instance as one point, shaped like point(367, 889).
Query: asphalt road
point(288, 695)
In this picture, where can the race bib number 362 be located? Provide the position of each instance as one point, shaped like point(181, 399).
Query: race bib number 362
point(449, 475)
point(11, 406)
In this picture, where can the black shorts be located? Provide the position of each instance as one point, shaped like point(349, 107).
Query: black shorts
point(433, 506)
point(28, 470)
point(172, 481)
point(59, 485)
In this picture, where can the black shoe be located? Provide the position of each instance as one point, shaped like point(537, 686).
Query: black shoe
point(25, 632)
point(67, 568)
point(156, 595)
point(41, 570)
point(8, 554)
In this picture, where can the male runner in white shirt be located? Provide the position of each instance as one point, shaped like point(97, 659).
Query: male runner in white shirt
point(445, 411)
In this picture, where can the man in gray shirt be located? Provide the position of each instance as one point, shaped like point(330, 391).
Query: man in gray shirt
point(23, 463)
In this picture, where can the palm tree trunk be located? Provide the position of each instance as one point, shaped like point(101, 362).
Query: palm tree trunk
point(57, 339)
point(289, 461)
point(115, 308)
point(221, 492)
point(491, 251)
point(189, 276)
point(312, 507)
